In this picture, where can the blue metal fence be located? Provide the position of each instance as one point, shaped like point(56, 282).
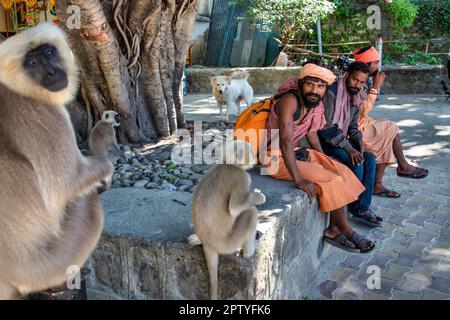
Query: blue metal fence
point(232, 41)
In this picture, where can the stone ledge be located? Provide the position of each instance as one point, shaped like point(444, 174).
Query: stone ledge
point(143, 253)
point(399, 79)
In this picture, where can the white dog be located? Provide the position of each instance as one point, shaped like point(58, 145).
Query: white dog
point(231, 90)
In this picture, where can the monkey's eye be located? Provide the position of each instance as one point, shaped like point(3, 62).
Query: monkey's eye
point(31, 62)
point(49, 52)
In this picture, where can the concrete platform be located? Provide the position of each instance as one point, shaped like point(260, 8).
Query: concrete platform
point(143, 253)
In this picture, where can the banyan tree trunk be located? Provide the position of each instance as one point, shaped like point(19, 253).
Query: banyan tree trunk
point(131, 55)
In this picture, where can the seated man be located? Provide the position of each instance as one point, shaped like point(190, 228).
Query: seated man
point(297, 111)
point(341, 139)
point(381, 136)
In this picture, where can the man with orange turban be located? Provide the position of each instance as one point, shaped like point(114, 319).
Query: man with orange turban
point(297, 111)
point(381, 136)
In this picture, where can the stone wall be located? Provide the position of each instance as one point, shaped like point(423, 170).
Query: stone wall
point(143, 253)
point(399, 79)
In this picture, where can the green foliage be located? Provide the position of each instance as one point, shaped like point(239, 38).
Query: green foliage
point(402, 14)
point(419, 57)
point(387, 58)
point(433, 18)
point(290, 18)
point(344, 9)
point(397, 47)
point(347, 24)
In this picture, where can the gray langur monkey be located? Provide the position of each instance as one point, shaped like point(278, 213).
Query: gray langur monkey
point(223, 209)
point(102, 138)
point(50, 214)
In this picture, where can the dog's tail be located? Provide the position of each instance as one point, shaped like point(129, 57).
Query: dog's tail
point(239, 74)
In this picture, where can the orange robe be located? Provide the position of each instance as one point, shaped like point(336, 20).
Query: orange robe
point(378, 135)
point(336, 184)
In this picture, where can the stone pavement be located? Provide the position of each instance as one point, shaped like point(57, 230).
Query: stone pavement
point(413, 249)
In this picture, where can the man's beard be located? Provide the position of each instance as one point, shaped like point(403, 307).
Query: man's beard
point(353, 91)
point(311, 100)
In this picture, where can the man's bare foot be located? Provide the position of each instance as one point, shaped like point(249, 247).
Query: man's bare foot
point(380, 190)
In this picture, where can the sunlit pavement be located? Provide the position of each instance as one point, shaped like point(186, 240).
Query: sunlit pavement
point(413, 249)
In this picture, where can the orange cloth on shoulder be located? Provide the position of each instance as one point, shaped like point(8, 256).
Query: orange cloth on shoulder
point(368, 56)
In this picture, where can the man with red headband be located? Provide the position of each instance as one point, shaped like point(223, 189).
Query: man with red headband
point(381, 136)
point(297, 111)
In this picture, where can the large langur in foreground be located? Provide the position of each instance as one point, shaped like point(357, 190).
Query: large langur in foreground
point(223, 209)
point(50, 215)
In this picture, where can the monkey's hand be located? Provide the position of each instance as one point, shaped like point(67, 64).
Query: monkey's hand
point(258, 197)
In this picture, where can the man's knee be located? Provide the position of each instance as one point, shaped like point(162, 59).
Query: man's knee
point(370, 159)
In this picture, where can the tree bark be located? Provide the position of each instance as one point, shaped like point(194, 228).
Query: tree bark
point(131, 55)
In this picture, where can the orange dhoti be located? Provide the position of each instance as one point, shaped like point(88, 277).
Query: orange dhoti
point(379, 136)
point(336, 184)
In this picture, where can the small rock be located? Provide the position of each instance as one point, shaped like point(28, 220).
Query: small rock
point(196, 176)
point(151, 185)
point(116, 184)
point(183, 188)
point(186, 170)
point(168, 187)
point(120, 161)
point(198, 168)
point(141, 183)
point(126, 183)
point(163, 155)
point(128, 154)
point(126, 148)
point(176, 172)
point(127, 175)
point(126, 167)
point(185, 182)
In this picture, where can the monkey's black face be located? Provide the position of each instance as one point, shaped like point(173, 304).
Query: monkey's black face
point(44, 65)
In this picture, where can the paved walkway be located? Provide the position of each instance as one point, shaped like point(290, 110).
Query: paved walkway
point(413, 248)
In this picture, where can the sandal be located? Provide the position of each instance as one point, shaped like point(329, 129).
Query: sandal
point(366, 219)
point(360, 242)
point(387, 194)
point(341, 242)
point(418, 173)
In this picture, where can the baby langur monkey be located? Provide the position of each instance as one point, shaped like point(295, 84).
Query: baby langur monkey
point(102, 139)
point(223, 209)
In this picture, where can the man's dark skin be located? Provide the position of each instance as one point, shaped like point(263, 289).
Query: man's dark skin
point(313, 91)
